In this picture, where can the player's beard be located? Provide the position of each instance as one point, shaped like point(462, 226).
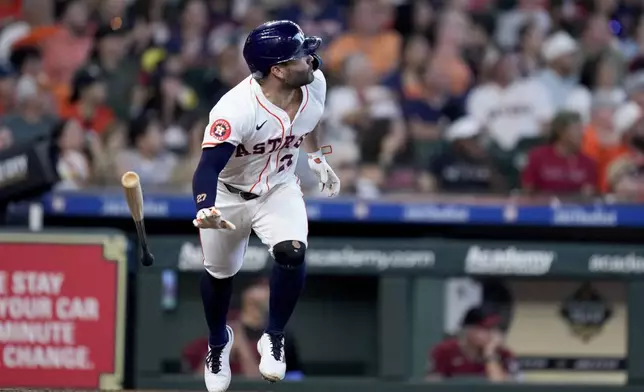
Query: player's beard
point(297, 80)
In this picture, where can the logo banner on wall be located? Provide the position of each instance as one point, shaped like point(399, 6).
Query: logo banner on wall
point(560, 331)
point(62, 303)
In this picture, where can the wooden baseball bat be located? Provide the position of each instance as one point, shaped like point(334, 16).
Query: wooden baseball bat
point(134, 197)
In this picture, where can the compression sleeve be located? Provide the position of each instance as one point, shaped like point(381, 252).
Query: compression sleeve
point(204, 182)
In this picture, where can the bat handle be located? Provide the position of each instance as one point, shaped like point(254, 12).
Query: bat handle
point(140, 231)
point(144, 252)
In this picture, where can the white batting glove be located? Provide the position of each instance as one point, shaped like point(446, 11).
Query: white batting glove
point(210, 218)
point(329, 181)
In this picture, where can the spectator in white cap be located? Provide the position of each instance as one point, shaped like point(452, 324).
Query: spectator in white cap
point(561, 53)
point(30, 121)
point(625, 174)
point(463, 165)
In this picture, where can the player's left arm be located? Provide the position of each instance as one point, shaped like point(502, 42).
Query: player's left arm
point(329, 181)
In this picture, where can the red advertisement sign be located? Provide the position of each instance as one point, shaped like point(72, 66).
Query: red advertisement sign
point(61, 311)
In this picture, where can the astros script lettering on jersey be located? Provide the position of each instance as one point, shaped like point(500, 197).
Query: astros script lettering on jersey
point(267, 142)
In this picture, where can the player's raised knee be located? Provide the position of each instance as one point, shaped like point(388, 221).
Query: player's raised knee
point(289, 254)
point(222, 273)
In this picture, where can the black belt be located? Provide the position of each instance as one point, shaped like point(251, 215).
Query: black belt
point(242, 194)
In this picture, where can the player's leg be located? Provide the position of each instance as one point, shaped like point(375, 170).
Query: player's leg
point(282, 225)
point(223, 257)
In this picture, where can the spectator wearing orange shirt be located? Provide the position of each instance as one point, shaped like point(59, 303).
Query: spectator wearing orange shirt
point(602, 139)
point(625, 174)
point(69, 47)
point(450, 40)
point(87, 103)
point(371, 35)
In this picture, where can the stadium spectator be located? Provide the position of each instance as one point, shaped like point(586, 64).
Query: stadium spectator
point(119, 72)
point(72, 162)
point(30, 120)
point(87, 103)
point(561, 53)
point(234, 31)
point(105, 151)
point(509, 106)
point(109, 12)
point(560, 167)
point(600, 78)
point(407, 80)
point(478, 45)
point(632, 45)
point(463, 166)
point(231, 70)
point(510, 22)
point(27, 61)
point(634, 85)
point(369, 34)
point(477, 351)
point(249, 327)
point(148, 156)
point(7, 89)
point(448, 48)
point(189, 36)
point(529, 47)
point(603, 140)
point(182, 176)
point(597, 40)
point(167, 92)
point(364, 119)
point(323, 18)
point(624, 174)
point(69, 48)
point(427, 115)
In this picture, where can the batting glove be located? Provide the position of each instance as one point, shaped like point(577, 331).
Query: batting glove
point(210, 218)
point(329, 181)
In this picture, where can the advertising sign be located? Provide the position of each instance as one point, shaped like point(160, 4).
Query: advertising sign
point(62, 302)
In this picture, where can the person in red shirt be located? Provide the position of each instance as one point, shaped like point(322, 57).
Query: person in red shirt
point(87, 103)
point(248, 326)
point(477, 351)
point(560, 167)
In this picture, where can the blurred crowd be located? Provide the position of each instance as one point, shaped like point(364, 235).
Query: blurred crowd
point(425, 96)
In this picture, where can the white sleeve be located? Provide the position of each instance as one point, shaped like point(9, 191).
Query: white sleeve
point(543, 106)
point(340, 103)
point(478, 105)
point(226, 124)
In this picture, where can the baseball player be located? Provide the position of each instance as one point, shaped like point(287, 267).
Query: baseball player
point(245, 181)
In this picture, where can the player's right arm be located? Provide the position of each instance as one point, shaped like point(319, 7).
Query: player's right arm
point(221, 137)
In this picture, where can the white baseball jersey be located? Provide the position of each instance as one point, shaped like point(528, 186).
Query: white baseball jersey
point(267, 141)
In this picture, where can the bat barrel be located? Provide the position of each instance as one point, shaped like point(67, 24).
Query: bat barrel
point(130, 180)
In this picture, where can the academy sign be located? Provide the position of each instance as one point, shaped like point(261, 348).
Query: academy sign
point(508, 261)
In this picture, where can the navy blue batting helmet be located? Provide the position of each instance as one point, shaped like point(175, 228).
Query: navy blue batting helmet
point(278, 42)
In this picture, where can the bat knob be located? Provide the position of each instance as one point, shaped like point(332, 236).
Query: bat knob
point(147, 259)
